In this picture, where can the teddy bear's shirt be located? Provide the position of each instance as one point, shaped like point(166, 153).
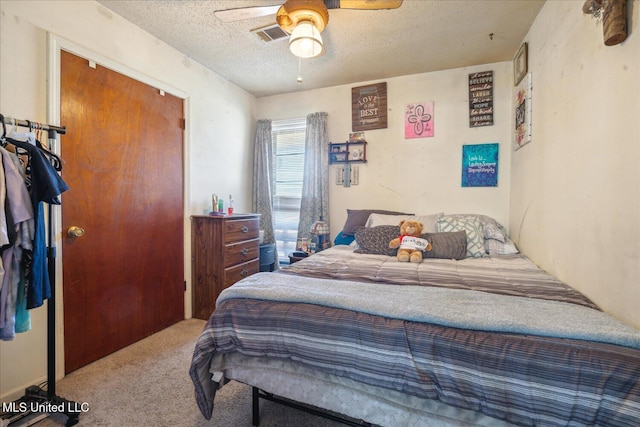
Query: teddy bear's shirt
point(413, 243)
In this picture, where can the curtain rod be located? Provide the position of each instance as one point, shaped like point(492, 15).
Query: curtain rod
point(31, 124)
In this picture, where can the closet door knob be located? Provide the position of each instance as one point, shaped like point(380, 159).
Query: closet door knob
point(74, 231)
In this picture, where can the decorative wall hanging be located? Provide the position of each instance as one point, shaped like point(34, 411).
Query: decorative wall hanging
point(344, 154)
point(522, 113)
point(356, 137)
point(419, 120)
point(348, 152)
point(481, 99)
point(520, 64)
point(614, 18)
point(369, 107)
point(480, 165)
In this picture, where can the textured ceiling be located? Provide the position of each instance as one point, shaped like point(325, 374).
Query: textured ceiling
point(361, 45)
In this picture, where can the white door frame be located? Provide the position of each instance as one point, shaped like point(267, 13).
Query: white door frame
point(55, 44)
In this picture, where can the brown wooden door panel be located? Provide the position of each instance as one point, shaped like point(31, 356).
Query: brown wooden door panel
point(123, 153)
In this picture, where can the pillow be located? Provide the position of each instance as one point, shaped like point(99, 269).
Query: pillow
point(428, 221)
point(375, 240)
point(496, 247)
point(451, 245)
point(491, 228)
point(342, 239)
point(358, 218)
point(473, 227)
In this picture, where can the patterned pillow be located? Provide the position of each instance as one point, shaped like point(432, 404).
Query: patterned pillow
point(446, 245)
point(491, 229)
point(375, 240)
point(496, 247)
point(473, 227)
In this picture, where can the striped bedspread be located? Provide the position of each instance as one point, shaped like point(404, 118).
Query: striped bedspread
point(507, 275)
point(525, 379)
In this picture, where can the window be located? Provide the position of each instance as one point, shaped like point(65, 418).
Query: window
point(288, 156)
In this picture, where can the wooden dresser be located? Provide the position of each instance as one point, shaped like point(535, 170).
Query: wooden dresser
point(224, 249)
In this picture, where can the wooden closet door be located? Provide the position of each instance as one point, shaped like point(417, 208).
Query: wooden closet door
point(123, 160)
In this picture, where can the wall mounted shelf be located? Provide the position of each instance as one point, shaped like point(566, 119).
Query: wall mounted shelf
point(348, 152)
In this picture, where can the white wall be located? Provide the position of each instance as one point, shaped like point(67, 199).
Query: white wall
point(572, 203)
point(575, 189)
point(417, 175)
point(220, 123)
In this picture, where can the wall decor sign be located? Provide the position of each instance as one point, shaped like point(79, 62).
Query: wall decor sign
point(481, 99)
point(369, 107)
point(522, 113)
point(520, 66)
point(356, 136)
point(480, 165)
point(419, 120)
point(613, 14)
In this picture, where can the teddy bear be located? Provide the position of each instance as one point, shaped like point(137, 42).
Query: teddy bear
point(410, 244)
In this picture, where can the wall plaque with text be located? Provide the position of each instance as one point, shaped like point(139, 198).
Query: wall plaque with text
point(369, 107)
point(481, 99)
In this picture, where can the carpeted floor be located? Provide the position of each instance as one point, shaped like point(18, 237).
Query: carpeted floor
point(148, 384)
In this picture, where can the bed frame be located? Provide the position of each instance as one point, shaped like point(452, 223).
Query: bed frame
point(258, 394)
point(352, 378)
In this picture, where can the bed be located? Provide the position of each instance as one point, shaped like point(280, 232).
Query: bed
point(484, 339)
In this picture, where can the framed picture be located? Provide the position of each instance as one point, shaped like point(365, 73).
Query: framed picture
point(520, 64)
point(418, 120)
point(338, 157)
point(480, 165)
point(356, 137)
point(481, 99)
point(369, 107)
point(522, 113)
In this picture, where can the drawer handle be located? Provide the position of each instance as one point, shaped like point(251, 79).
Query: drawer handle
point(245, 229)
point(244, 251)
point(244, 273)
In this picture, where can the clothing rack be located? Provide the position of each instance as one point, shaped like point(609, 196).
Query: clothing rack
point(36, 400)
point(61, 130)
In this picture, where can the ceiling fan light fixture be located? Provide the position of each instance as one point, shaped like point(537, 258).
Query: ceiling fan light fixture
point(305, 40)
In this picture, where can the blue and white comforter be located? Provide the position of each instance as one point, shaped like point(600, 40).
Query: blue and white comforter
point(524, 359)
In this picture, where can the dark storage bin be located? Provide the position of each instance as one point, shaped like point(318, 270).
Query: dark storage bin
point(267, 257)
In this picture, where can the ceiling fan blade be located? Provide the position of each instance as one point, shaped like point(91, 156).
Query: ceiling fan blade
point(363, 4)
point(230, 15)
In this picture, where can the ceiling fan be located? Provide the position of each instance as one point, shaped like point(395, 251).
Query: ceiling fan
point(303, 19)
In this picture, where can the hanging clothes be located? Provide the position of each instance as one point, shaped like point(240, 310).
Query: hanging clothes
point(45, 187)
point(26, 282)
point(20, 228)
point(4, 242)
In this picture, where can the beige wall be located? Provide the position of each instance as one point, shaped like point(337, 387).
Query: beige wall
point(575, 189)
point(571, 198)
point(418, 175)
point(220, 123)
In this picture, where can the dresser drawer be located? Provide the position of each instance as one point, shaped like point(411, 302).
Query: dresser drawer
point(224, 249)
point(238, 253)
point(239, 272)
point(244, 229)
